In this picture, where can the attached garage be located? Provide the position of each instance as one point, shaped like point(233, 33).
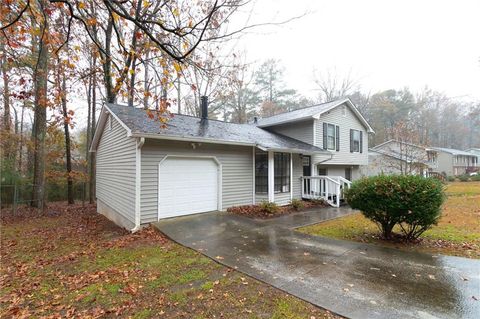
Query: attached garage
point(188, 185)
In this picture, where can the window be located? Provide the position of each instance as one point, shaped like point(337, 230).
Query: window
point(322, 171)
point(330, 136)
point(261, 173)
point(348, 173)
point(355, 141)
point(282, 172)
point(281, 167)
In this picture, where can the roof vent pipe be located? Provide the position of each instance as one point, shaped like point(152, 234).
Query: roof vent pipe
point(204, 107)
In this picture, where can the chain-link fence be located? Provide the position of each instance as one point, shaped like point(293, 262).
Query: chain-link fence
point(15, 195)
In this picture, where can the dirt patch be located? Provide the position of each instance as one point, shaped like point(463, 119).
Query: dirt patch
point(256, 211)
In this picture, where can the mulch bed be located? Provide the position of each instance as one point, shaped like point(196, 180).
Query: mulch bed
point(256, 211)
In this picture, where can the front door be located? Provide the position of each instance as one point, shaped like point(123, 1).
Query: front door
point(307, 165)
point(307, 171)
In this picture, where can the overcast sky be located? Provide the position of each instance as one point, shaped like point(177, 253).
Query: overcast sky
point(385, 44)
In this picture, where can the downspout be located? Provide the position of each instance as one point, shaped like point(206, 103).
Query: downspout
point(325, 160)
point(138, 182)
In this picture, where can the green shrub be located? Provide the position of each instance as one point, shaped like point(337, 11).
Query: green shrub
point(475, 178)
point(412, 202)
point(269, 207)
point(463, 178)
point(451, 178)
point(297, 204)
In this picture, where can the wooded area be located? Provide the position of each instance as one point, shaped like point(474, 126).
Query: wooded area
point(162, 56)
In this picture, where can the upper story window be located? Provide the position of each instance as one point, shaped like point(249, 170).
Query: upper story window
point(356, 141)
point(331, 137)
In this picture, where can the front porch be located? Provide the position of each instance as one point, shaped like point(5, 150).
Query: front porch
point(281, 177)
point(329, 188)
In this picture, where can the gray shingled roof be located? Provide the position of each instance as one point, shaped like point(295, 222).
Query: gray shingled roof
point(303, 113)
point(453, 151)
point(188, 127)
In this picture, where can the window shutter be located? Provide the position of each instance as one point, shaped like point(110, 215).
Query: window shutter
point(361, 142)
point(351, 141)
point(337, 137)
point(324, 136)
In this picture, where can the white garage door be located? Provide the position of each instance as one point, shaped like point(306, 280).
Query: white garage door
point(187, 186)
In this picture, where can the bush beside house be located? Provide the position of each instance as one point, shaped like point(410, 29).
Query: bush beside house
point(410, 202)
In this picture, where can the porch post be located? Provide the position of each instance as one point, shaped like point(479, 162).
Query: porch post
point(271, 177)
point(291, 176)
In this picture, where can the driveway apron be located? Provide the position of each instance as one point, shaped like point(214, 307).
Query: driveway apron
point(354, 280)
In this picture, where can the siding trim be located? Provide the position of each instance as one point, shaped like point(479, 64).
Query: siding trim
point(291, 176)
point(138, 182)
point(253, 175)
point(109, 112)
point(271, 177)
point(219, 170)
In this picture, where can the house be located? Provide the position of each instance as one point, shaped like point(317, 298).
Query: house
point(454, 162)
point(474, 151)
point(399, 157)
point(146, 172)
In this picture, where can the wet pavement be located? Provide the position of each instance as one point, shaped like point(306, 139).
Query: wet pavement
point(354, 280)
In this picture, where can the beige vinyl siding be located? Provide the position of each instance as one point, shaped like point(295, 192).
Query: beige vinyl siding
point(237, 175)
point(297, 174)
point(347, 122)
point(261, 198)
point(115, 167)
point(282, 198)
point(445, 163)
point(302, 131)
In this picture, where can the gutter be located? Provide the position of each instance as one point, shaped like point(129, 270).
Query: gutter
point(138, 181)
point(325, 160)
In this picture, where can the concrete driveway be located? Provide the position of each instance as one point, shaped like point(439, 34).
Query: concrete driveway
point(351, 279)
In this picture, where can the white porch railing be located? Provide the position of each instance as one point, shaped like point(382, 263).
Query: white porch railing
point(328, 188)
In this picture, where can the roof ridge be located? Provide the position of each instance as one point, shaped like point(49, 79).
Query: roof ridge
point(179, 114)
point(303, 108)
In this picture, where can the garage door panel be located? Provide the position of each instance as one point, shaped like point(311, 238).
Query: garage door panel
point(187, 186)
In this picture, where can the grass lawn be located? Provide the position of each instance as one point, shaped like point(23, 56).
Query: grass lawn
point(75, 263)
point(457, 233)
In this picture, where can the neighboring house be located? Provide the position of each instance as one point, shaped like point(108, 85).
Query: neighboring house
point(474, 151)
point(397, 157)
point(454, 162)
point(146, 172)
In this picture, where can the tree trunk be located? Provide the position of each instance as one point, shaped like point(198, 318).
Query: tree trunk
point(7, 120)
point(68, 153)
point(91, 188)
point(131, 88)
point(20, 147)
point(40, 79)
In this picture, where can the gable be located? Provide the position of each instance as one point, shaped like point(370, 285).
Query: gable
point(313, 112)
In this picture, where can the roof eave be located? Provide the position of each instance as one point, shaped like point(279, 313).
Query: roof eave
point(190, 139)
point(298, 119)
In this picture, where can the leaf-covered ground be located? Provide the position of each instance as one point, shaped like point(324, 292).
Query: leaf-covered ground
point(457, 233)
point(73, 262)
